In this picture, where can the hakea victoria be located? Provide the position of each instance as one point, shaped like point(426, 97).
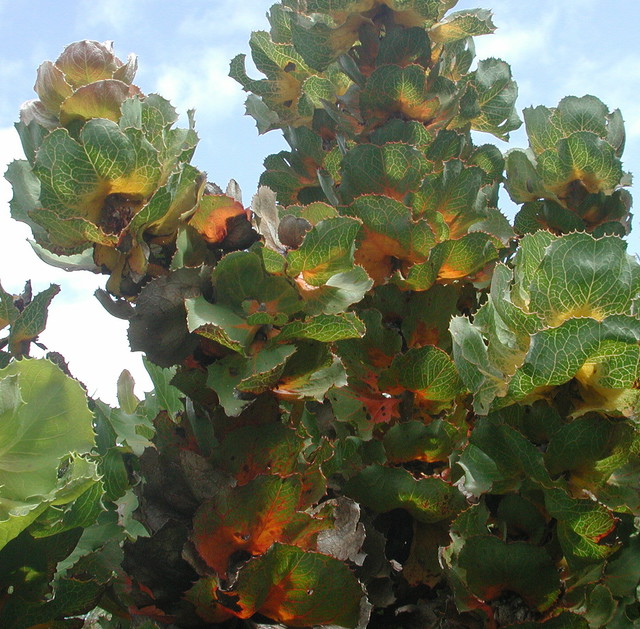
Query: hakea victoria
point(378, 403)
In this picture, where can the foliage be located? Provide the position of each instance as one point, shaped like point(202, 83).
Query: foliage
point(376, 402)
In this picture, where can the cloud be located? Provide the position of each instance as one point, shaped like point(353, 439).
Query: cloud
point(94, 344)
point(114, 14)
point(515, 42)
point(92, 341)
point(225, 17)
point(201, 82)
point(611, 82)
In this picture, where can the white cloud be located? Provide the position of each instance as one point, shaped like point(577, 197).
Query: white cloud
point(114, 14)
point(201, 83)
point(514, 41)
point(92, 341)
point(225, 17)
point(612, 83)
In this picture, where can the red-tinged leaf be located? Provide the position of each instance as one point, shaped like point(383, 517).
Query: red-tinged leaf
point(212, 216)
point(298, 588)
point(102, 99)
point(389, 239)
point(86, 61)
point(380, 409)
point(150, 611)
point(251, 518)
point(250, 451)
point(394, 90)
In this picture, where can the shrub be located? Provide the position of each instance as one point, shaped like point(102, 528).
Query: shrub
point(377, 402)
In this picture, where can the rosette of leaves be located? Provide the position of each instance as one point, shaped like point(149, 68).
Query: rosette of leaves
point(564, 312)
point(387, 138)
point(570, 178)
point(107, 176)
point(25, 316)
point(555, 347)
point(86, 81)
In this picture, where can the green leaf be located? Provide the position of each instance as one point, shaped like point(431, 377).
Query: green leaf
point(75, 595)
point(36, 439)
point(415, 441)
point(601, 354)
point(404, 46)
point(82, 512)
point(219, 324)
point(584, 441)
point(501, 458)
point(250, 451)
point(324, 328)
point(383, 489)
point(577, 141)
point(110, 151)
point(258, 373)
point(462, 24)
point(389, 236)
point(132, 431)
point(247, 297)
point(621, 572)
point(311, 372)
point(453, 259)
point(115, 477)
point(391, 170)
point(493, 566)
point(582, 156)
point(168, 397)
point(338, 293)
point(319, 44)
point(581, 526)
point(523, 181)
point(545, 127)
point(299, 588)
point(478, 373)
point(242, 283)
point(8, 311)
point(26, 190)
point(326, 251)
point(126, 397)
point(584, 277)
point(406, 132)
point(496, 94)
point(67, 175)
point(71, 234)
point(453, 194)
point(427, 371)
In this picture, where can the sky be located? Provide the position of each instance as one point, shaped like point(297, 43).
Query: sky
point(555, 49)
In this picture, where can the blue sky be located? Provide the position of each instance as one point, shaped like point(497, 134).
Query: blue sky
point(555, 49)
